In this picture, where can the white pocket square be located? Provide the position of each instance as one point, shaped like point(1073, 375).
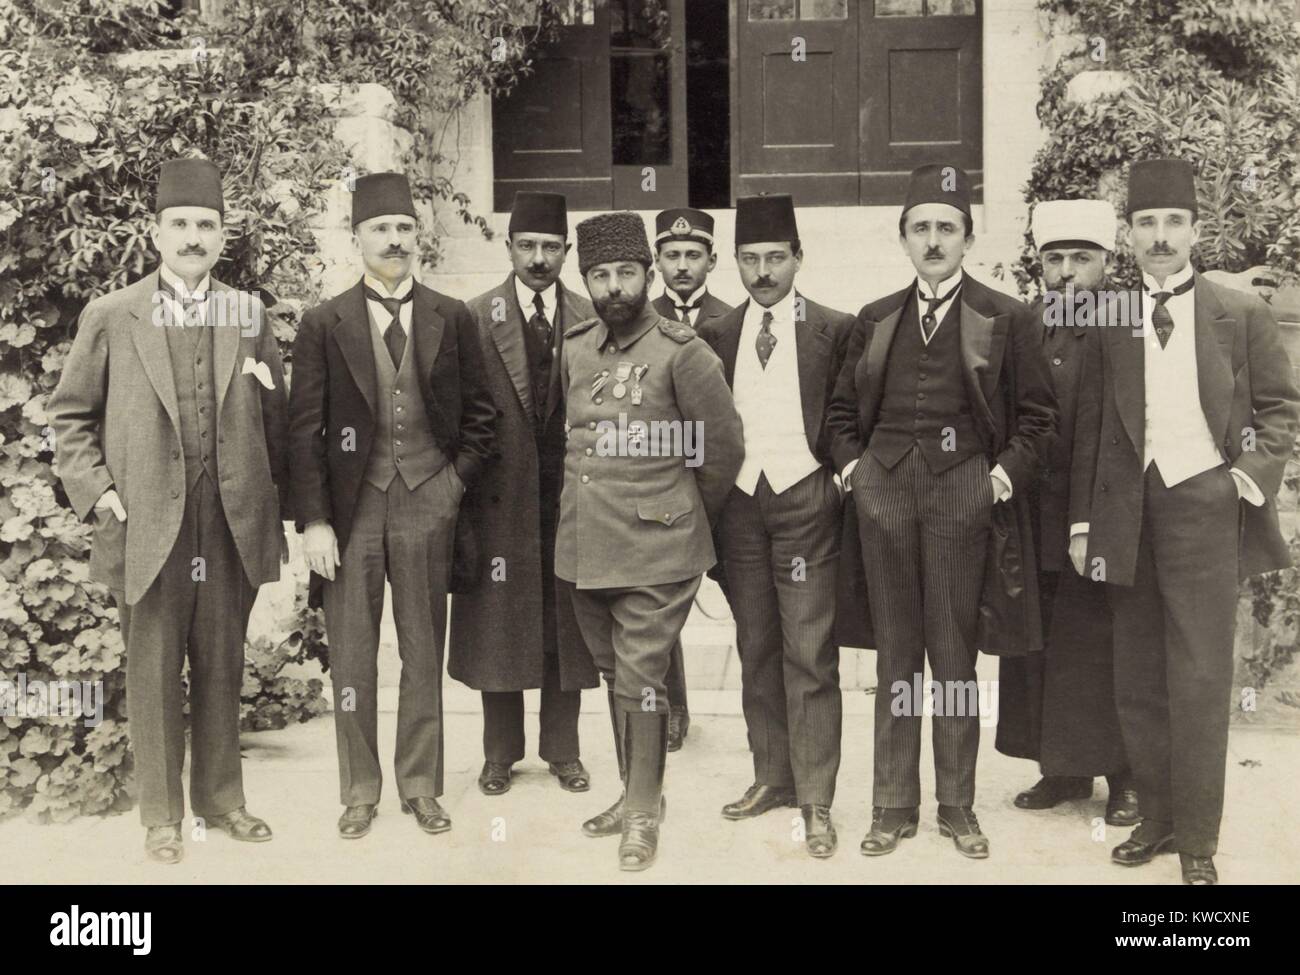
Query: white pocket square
point(259, 369)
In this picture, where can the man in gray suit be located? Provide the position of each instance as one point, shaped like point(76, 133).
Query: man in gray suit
point(171, 410)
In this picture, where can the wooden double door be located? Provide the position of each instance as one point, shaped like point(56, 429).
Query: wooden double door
point(834, 101)
point(838, 100)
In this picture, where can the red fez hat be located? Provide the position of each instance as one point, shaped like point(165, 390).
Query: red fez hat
point(379, 194)
point(189, 183)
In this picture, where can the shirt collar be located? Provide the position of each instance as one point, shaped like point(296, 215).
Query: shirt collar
point(676, 299)
point(944, 286)
point(525, 295)
point(644, 322)
point(379, 288)
point(178, 286)
point(1173, 281)
point(782, 311)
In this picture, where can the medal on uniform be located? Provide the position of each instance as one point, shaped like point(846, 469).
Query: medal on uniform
point(620, 379)
point(637, 373)
point(599, 382)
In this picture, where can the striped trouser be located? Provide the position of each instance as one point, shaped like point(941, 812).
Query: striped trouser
point(923, 543)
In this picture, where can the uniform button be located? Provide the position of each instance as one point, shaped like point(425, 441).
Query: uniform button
point(591, 425)
point(399, 459)
point(667, 517)
point(920, 395)
point(205, 458)
point(397, 392)
point(397, 443)
point(399, 409)
point(590, 451)
point(1056, 360)
point(400, 427)
point(585, 478)
point(611, 348)
point(598, 400)
point(921, 377)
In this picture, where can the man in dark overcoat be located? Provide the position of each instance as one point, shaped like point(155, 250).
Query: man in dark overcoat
point(1058, 707)
point(508, 633)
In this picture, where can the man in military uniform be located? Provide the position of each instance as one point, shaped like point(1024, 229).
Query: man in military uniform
point(1058, 706)
point(684, 255)
point(508, 630)
point(182, 428)
point(654, 447)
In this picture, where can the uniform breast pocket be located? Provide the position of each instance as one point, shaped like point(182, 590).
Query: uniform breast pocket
point(673, 508)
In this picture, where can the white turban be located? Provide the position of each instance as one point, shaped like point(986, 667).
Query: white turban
point(1087, 220)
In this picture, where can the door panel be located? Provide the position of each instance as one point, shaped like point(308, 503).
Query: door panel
point(797, 119)
point(552, 132)
point(921, 96)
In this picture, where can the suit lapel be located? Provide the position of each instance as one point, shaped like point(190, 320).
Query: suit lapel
point(225, 343)
point(566, 313)
point(1215, 333)
point(812, 350)
point(729, 344)
point(1128, 363)
point(151, 346)
point(352, 335)
point(982, 345)
point(882, 336)
point(427, 328)
point(508, 336)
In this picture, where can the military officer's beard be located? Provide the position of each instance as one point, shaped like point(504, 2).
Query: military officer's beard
point(618, 313)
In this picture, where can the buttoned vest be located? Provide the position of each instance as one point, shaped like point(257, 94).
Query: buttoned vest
point(404, 441)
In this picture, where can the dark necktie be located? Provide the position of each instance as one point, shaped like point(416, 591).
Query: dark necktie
point(538, 323)
point(195, 300)
point(928, 322)
point(684, 311)
point(394, 334)
point(766, 341)
point(1161, 320)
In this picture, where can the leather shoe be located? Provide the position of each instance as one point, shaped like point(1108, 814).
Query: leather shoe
point(1147, 842)
point(355, 821)
point(679, 720)
point(960, 823)
point(239, 825)
point(888, 826)
point(163, 844)
point(610, 822)
point(818, 831)
point(573, 777)
point(429, 816)
point(1122, 808)
point(1198, 871)
point(759, 799)
point(494, 779)
point(1052, 790)
point(640, 841)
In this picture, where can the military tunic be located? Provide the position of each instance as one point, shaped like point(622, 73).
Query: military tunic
point(654, 444)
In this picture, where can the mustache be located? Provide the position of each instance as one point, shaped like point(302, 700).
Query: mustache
point(395, 252)
point(933, 253)
point(194, 251)
point(1162, 250)
point(764, 283)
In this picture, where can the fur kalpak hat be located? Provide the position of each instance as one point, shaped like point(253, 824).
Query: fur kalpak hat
point(617, 236)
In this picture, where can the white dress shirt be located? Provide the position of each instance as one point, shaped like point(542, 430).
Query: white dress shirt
point(768, 401)
point(380, 314)
point(696, 295)
point(526, 296)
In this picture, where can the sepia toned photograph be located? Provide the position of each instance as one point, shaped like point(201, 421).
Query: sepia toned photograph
point(670, 442)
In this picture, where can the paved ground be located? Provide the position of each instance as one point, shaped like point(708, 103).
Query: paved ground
point(531, 833)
